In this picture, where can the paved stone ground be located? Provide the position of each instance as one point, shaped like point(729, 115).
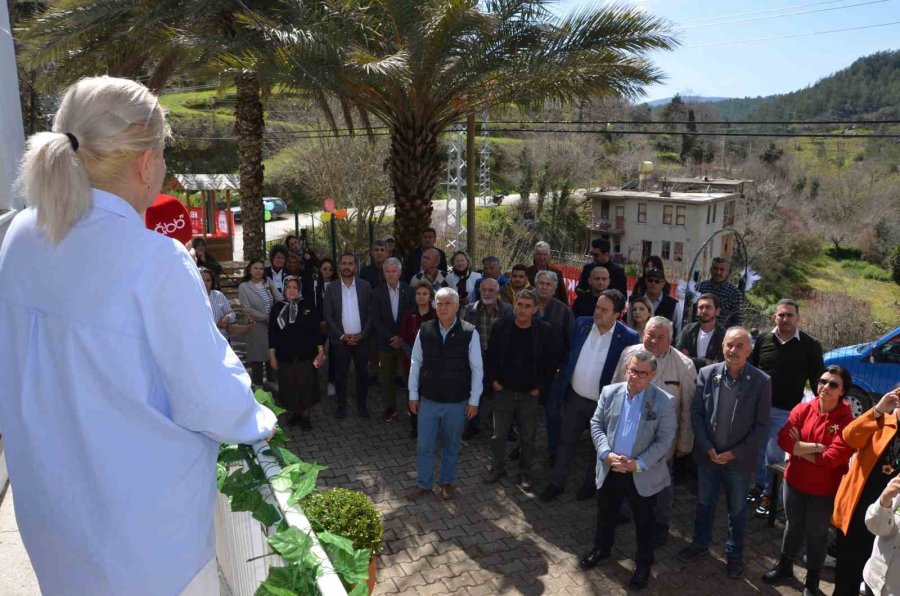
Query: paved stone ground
point(495, 539)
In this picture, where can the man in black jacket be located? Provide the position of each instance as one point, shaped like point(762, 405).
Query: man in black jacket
point(522, 358)
point(600, 255)
point(702, 340)
point(663, 304)
point(390, 303)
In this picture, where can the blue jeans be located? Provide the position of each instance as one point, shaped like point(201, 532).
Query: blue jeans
point(553, 411)
point(444, 420)
point(710, 478)
point(771, 452)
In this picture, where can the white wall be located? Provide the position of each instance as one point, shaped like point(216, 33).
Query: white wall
point(11, 131)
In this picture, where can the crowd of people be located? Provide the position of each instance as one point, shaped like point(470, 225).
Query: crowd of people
point(651, 396)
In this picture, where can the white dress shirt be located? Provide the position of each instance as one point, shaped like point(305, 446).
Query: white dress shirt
point(590, 363)
point(350, 319)
point(703, 338)
point(394, 295)
point(116, 389)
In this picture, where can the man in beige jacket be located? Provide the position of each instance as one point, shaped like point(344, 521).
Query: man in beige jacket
point(676, 375)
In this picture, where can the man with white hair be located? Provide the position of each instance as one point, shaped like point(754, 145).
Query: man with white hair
point(390, 303)
point(676, 375)
point(445, 383)
point(542, 263)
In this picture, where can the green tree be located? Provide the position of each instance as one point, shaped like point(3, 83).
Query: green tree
point(419, 66)
point(156, 40)
point(771, 155)
point(895, 264)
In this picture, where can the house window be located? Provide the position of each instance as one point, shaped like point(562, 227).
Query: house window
point(664, 253)
point(642, 213)
point(715, 208)
point(708, 213)
point(680, 212)
point(620, 211)
point(667, 215)
point(679, 251)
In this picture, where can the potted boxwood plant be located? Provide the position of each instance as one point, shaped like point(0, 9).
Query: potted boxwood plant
point(351, 514)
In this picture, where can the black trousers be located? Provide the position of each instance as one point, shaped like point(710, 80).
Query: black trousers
point(855, 548)
point(576, 419)
point(618, 488)
point(359, 355)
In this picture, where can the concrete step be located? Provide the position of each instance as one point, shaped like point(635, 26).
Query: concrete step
point(16, 575)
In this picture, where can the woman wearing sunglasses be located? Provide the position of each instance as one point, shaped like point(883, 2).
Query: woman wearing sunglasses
point(819, 456)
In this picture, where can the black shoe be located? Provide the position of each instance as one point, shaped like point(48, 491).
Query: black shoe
point(494, 475)
point(662, 534)
point(469, 433)
point(587, 491)
point(735, 567)
point(591, 559)
point(765, 507)
point(691, 552)
point(525, 482)
point(754, 494)
point(305, 424)
point(341, 412)
point(515, 454)
point(784, 569)
point(364, 412)
point(551, 492)
point(640, 579)
point(389, 414)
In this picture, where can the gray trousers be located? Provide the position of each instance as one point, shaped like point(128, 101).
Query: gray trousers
point(525, 409)
point(807, 519)
point(664, 499)
point(576, 418)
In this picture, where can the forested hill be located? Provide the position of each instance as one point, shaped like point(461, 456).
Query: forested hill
point(868, 88)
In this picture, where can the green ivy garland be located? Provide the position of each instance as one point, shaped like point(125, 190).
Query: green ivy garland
point(240, 478)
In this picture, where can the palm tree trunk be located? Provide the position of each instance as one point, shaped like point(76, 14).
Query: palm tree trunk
point(414, 169)
point(249, 126)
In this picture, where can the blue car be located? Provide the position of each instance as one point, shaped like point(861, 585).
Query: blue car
point(875, 368)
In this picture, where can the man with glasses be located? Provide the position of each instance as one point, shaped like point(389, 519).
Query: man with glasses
point(633, 429)
point(663, 304)
point(600, 256)
point(597, 344)
point(792, 358)
point(729, 417)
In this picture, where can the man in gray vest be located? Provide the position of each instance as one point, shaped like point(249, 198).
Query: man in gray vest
point(446, 367)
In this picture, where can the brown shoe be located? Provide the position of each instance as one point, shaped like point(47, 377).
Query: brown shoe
point(417, 493)
point(447, 491)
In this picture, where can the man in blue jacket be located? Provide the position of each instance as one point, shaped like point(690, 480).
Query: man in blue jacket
point(730, 418)
point(597, 344)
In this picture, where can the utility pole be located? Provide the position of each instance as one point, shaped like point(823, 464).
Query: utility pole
point(470, 186)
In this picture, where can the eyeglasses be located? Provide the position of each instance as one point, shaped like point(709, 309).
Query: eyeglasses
point(654, 281)
point(641, 374)
point(832, 384)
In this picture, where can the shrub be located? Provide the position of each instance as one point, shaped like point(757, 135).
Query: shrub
point(867, 270)
point(347, 513)
point(894, 261)
point(838, 320)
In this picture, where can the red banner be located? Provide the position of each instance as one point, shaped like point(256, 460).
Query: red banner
point(221, 217)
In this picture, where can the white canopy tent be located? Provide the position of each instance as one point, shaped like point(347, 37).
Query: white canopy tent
point(12, 136)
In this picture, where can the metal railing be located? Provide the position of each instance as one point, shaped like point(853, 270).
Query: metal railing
point(241, 548)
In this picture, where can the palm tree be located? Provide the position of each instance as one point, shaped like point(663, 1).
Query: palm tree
point(156, 40)
point(419, 66)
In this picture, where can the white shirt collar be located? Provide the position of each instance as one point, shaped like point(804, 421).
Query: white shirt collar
point(795, 336)
point(116, 204)
point(595, 330)
point(351, 286)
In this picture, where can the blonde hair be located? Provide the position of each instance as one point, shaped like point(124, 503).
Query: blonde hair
point(112, 121)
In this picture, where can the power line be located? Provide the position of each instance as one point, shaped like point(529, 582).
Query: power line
point(724, 43)
point(753, 12)
point(777, 16)
point(718, 122)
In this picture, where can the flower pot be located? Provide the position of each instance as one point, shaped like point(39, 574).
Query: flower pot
point(371, 581)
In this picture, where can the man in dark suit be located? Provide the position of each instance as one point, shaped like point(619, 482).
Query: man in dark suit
point(390, 303)
point(597, 344)
point(663, 304)
point(413, 263)
point(701, 341)
point(374, 271)
point(347, 317)
point(600, 256)
point(633, 430)
point(730, 417)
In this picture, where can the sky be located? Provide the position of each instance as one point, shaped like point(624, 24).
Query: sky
point(761, 67)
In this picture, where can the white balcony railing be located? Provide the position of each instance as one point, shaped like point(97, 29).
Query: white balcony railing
point(243, 554)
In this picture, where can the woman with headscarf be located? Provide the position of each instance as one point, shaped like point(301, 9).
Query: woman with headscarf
point(874, 435)
point(116, 393)
point(296, 350)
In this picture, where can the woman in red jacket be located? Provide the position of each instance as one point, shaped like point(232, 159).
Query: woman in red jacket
point(819, 456)
point(409, 328)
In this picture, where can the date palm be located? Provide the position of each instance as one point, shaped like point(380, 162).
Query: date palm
point(155, 40)
point(420, 66)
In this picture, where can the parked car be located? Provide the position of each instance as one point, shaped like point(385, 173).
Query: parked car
point(875, 368)
point(278, 208)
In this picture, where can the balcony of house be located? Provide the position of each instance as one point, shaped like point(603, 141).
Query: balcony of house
point(614, 226)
